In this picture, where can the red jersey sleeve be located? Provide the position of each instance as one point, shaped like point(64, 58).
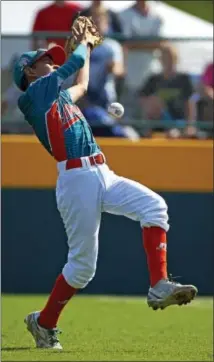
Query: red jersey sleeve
point(38, 25)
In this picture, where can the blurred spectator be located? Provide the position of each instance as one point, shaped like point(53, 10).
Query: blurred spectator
point(11, 116)
point(9, 99)
point(140, 20)
point(166, 96)
point(114, 22)
point(55, 17)
point(208, 81)
point(205, 104)
point(106, 65)
point(114, 26)
point(202, 103)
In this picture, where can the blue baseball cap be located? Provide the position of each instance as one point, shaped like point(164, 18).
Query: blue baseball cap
point(27, 59)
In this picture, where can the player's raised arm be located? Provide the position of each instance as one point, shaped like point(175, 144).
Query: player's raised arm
point(80, 88)
point(84, 31)
point(74, 62)
point(82, 79)
point(80, 40)
point(84, 37)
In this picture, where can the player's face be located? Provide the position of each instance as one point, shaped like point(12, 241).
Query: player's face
point(44, 66)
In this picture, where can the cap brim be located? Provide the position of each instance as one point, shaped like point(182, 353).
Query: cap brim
point(57, 53)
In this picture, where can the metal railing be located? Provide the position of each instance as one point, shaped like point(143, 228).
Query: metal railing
point(116, 36)
point(137, 122)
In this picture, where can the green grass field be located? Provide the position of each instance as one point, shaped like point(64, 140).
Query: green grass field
point(202, 9)
point(112, 329)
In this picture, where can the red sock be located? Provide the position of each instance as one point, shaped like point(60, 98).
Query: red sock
point(60, 295)
point(155, 246)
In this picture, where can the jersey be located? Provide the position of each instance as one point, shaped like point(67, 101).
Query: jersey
point(57, 19)
point(58, 123)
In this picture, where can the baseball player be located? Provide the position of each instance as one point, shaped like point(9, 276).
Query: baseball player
point(86, 186)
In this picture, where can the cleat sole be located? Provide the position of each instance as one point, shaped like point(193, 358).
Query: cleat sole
point(180, 296)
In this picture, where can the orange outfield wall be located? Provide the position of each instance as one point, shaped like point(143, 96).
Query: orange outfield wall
point(161, 164)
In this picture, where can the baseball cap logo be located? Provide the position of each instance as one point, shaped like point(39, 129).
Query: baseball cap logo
point(23, 62)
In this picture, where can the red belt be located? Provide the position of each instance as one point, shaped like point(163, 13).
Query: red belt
point(78, 162)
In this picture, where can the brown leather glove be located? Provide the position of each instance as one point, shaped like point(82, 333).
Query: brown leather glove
point(85, 29)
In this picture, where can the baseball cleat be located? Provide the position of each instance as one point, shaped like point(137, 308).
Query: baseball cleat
point(167, 292)
point(44, 338)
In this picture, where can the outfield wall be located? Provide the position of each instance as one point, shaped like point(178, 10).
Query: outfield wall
point(33, 239)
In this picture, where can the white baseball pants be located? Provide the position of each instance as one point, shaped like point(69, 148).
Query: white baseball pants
point(82, 195)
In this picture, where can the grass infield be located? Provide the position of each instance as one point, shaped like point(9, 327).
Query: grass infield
point(101, 328)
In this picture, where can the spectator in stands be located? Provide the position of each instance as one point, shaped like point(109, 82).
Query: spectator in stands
point(140, 20)
point(106, 65)
point(114, 22)
point(202, 104)
point(205, 104)
point(114, 26)
point(55, 17)
point(9, 99)
point(11, 116)
point(166, 96)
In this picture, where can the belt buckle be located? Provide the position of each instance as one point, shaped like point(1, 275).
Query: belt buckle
point(94, 158)
point(99, 155)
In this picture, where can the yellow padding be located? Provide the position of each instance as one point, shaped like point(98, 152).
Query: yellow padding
point(161, 164)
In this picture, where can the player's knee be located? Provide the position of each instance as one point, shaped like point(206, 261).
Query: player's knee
point(78, 275)
point(156, 213)
point(162, 205)
point(87, 274)
point(161, 210)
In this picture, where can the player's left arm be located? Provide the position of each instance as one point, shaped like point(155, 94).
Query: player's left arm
point(82, 80)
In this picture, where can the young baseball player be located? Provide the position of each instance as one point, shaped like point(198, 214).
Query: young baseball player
point(86, 186)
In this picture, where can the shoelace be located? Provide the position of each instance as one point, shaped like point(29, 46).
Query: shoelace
point(172, 279)
point(53, 335)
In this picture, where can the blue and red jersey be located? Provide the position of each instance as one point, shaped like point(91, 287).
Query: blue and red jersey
point(59, 124)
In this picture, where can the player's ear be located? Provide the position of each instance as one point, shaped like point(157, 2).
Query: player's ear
point(29, 72)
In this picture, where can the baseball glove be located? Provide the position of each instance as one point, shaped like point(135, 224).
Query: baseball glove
point(85, 28)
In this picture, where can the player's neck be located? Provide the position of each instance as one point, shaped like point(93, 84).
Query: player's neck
point(142, 8)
